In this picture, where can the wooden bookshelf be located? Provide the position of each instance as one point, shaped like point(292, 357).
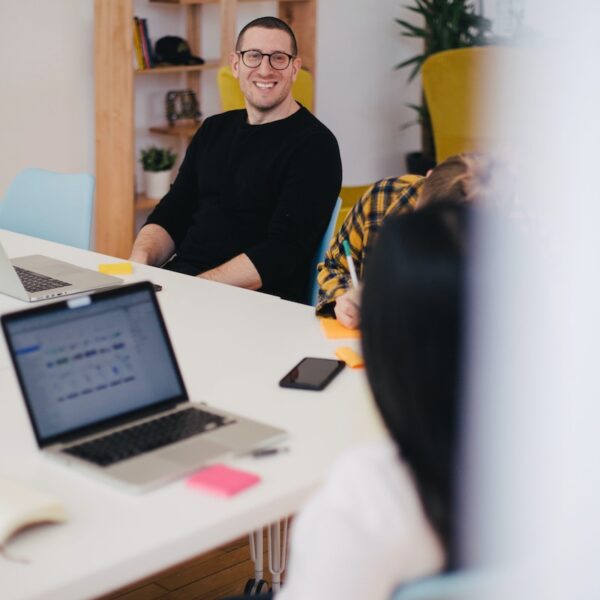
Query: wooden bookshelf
point(210, 64)
point(144, 203)
point(116, 203)
point(185, 2)
point(179, 130)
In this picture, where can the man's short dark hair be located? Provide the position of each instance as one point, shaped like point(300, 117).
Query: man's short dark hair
point(269, 23)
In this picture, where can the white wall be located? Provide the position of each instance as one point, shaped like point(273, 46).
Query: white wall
point(47, 94)
point(360, 96)
point(47, 99)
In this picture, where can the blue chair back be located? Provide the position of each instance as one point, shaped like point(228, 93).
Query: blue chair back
point(320, 255)
point(458, 585)
point(52, 206)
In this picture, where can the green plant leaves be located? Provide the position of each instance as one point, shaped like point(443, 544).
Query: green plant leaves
point(411, 30)
point(417, 60)
point(157, 159)
point(447, 24)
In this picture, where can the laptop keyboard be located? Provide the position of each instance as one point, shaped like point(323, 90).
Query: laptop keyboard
point(147, 436)
point(35, 282)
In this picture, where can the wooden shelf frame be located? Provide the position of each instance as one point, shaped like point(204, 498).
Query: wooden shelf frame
point(142, 202)
point(209, 64)
point(192, 2)
point(185, 130)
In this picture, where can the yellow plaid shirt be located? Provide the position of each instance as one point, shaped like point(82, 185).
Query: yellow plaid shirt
point(394, 195)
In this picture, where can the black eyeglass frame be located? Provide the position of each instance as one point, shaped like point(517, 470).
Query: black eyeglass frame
point(263, 54)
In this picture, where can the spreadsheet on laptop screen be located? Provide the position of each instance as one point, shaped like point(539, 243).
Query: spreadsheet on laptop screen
point(83, 365)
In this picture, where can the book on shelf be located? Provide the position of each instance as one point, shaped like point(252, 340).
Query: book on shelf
point(143, 46)
point(22, 506)
point(137, 45)
point(143, 43)
point(147, 42)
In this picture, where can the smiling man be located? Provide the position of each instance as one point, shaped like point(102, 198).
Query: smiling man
point(257, 186)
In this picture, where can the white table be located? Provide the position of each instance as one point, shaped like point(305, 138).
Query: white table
point(233, 346)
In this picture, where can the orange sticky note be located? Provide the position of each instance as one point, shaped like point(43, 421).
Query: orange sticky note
point(353, 359)
point(333, 330)
point(222, 480)
point(118, 268)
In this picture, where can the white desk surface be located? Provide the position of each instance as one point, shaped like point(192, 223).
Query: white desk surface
point(233, 346)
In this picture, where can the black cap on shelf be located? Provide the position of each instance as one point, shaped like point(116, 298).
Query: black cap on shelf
point(175, 51)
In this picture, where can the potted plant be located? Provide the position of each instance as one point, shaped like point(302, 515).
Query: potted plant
point(448, 24)
point(158, 166)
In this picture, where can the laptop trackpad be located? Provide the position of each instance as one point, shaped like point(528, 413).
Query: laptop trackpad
point(142, 469)
point(194, 452)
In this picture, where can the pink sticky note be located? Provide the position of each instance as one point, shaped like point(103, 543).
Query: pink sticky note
point(223, 480)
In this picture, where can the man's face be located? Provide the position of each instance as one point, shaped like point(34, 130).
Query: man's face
point(264, 87)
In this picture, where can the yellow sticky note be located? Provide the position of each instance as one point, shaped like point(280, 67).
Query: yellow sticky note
point(118, 268)
point(333, 330)
point(353, 359)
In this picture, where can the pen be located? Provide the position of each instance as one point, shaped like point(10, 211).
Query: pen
point(351, 266)
point(268, 451)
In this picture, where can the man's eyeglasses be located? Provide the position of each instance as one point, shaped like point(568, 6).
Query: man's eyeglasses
point(278, 60)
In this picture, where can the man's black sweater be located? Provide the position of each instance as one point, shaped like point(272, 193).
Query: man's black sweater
point(263, 190)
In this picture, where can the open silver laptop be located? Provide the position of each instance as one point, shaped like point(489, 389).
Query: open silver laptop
point(38, 277)
point(104, 392)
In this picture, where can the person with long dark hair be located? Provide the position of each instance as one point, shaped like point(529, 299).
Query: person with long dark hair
point(384, 515)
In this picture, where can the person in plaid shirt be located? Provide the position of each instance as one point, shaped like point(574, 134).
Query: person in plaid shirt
point(460, 178)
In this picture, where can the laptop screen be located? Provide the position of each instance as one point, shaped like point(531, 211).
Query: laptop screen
point(91, 359)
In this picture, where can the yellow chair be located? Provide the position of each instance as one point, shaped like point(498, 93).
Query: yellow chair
point(233, 99)
point(454, 83)
point(350, 195)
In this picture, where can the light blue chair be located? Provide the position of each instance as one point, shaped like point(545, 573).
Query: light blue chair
point(320, 255)
point(52, 206)
point(459, 585)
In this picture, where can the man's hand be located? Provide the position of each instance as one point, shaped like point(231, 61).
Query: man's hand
point(347, 309)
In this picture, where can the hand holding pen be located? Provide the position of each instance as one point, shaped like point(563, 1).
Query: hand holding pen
point(347, 306)
point(350, 260)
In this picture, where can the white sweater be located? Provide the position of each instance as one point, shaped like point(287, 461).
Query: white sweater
point(363, 533)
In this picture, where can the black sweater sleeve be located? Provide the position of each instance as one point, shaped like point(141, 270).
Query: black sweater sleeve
point(175, 210)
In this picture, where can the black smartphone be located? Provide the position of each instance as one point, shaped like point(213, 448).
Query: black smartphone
point(312, 373)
